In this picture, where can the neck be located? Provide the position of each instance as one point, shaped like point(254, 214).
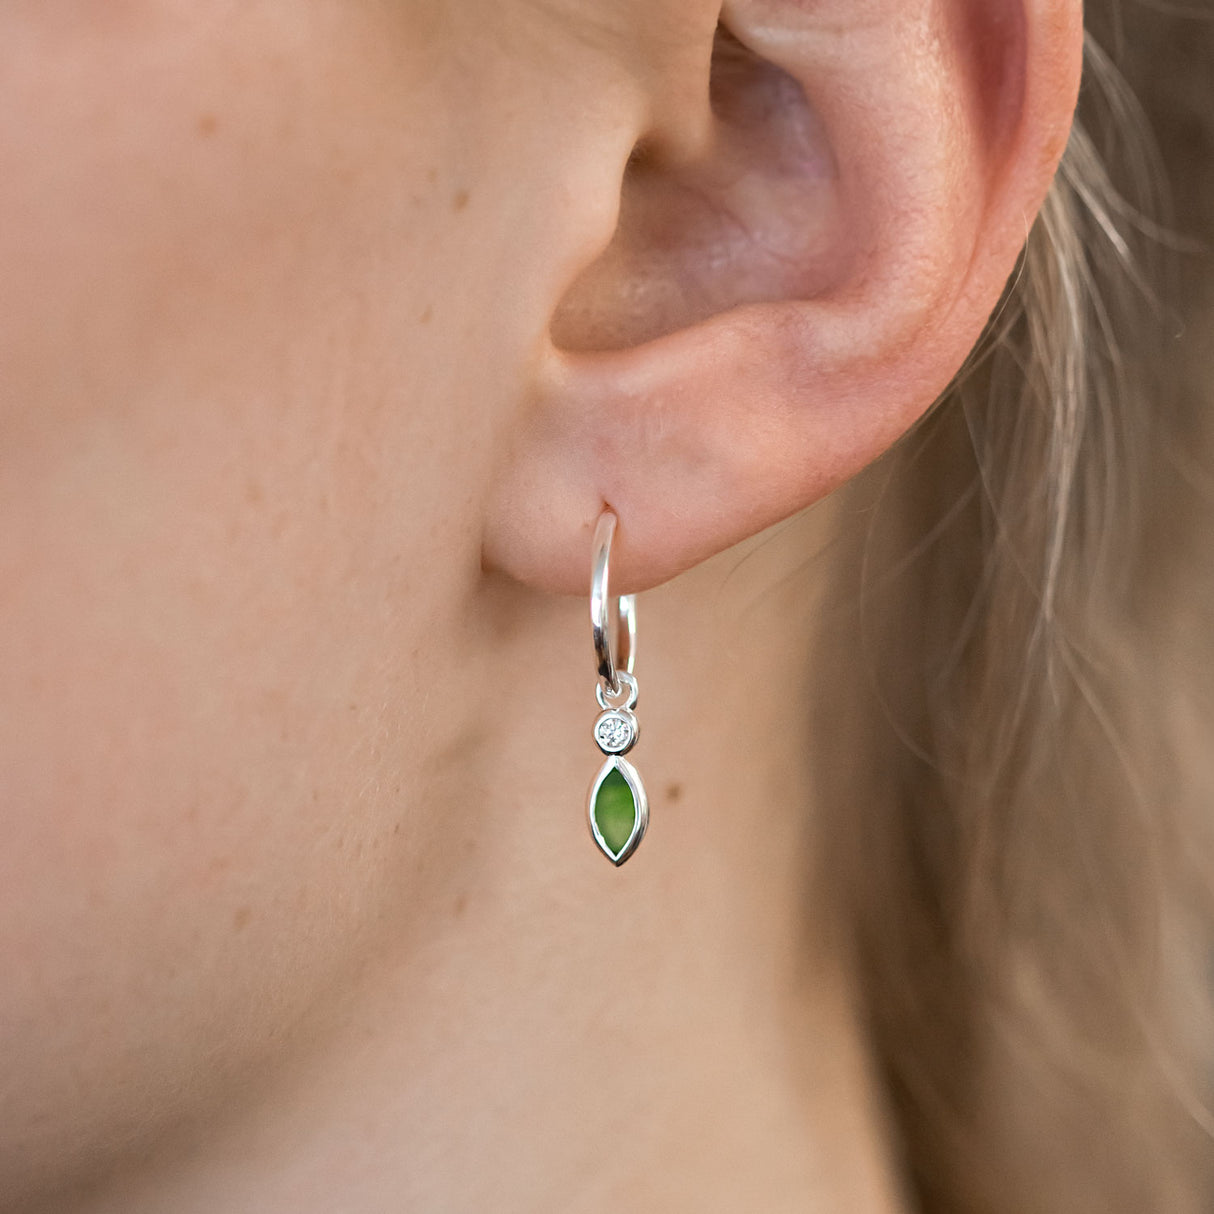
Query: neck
point(554, 1034)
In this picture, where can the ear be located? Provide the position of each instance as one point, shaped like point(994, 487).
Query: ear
point(786, 295)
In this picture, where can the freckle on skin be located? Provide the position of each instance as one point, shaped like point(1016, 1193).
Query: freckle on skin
point(673, 792)
point(241, 918)
point(461, 905)
point(208, 124)
point(426, 316)
point(460, 200)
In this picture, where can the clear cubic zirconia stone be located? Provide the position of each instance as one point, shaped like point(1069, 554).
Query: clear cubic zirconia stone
point(613, 732)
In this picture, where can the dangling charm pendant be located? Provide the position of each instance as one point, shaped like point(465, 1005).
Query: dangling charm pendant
point(618, 808)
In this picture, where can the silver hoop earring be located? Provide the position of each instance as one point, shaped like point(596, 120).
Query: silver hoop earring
point(617, 807)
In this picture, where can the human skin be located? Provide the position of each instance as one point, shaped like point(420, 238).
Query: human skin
point(298, 909)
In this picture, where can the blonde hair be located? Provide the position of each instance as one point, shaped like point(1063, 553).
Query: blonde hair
point(1025, 900)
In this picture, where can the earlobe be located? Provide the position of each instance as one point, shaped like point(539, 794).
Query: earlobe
point(775, 311)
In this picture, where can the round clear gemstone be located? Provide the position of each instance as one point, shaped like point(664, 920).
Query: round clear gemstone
point(613, 732)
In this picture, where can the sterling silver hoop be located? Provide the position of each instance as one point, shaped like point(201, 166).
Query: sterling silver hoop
point(600, 611)
point(618, 807)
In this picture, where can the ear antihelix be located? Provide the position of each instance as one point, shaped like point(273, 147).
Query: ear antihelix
point(746, 217)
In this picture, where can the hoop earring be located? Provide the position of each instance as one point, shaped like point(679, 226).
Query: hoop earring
point(618, 808)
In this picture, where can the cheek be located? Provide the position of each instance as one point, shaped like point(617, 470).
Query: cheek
point(209, 601)
point(186, 859)
point(177, 744)
point(211, 818)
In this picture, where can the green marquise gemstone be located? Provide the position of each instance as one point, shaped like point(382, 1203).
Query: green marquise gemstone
point(615, 811)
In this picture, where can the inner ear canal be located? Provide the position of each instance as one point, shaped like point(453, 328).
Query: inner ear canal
point(753, 219)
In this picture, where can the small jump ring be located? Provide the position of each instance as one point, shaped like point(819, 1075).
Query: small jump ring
point(626, 697)
point(600, 612)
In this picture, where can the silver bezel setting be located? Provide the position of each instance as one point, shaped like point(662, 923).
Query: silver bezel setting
point(630, 723)
point(640, 800)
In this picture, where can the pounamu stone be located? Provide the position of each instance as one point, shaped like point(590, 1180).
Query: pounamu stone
point(615, 811)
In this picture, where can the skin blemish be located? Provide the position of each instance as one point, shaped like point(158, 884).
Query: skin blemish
point(208, 124)
point(241, 918)
point(673, 792)
point(426, 316)
point(460, 201)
